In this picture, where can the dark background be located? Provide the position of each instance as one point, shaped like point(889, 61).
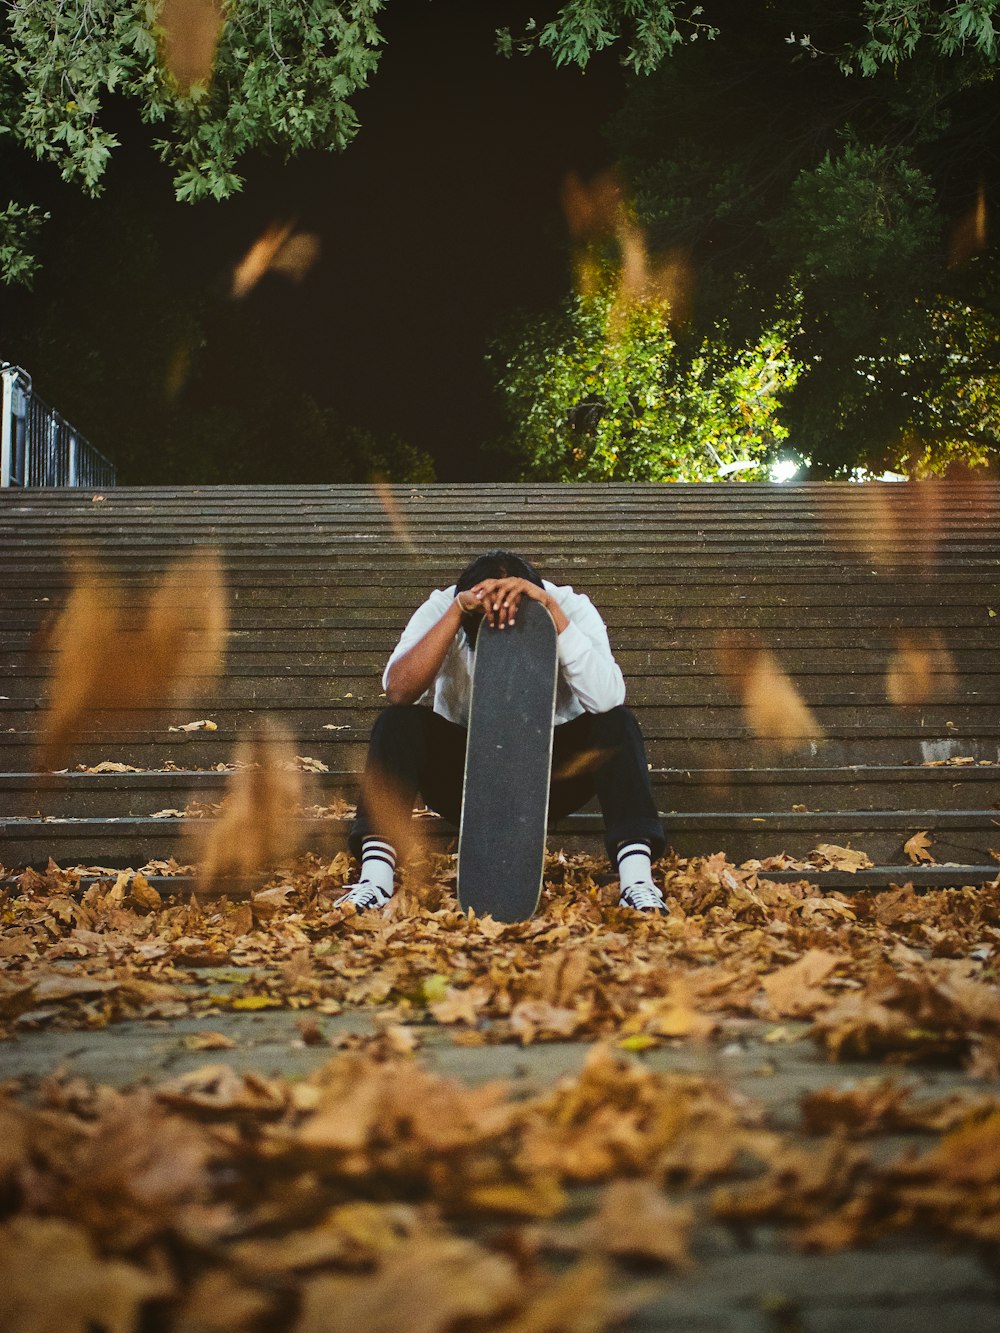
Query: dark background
point(439, 223)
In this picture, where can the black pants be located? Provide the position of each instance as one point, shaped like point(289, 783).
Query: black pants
point(413, 749)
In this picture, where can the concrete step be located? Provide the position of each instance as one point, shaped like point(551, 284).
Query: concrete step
point(961, 837)
point(106, 795)
point(21, 696)
point(345, 749)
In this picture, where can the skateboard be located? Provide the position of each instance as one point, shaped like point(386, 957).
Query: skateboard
point(508, 760)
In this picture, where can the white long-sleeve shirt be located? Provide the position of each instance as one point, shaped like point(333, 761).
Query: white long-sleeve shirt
point(590, 680)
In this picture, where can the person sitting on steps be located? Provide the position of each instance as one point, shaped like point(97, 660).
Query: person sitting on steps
point(418, 741)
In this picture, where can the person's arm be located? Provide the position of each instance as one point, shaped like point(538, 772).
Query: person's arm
point(585, 657)
point(414, 666)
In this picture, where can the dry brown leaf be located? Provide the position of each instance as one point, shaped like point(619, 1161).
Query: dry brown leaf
point(921, 670)
point(794, 991)
point(970, 233)
point(828, 855)
point(533, 1020)
point(208, 1041)
point(581, 1300)
point(111, 655)
point(429, 1284)
point(143, 894)
point(353, 1235)
point(774, 709)
point(672, 1015)
point(635, 1221)
point(888, 1106)
point(460, 1005)
point(258, 825)
point(297, 256)
point(279, 248)
point(390, 811)
point(218, 1303)
point(220, 1088)
point(917, 849)
point(886, 526)
point(53, 1279)
point(189, 32)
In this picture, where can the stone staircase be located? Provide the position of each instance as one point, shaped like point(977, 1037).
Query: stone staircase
point(322, 579)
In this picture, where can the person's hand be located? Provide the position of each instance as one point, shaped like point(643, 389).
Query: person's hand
point(469, 603)
point(500, 598)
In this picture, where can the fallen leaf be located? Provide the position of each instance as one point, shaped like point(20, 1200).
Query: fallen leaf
point(208, 1041)
point(52, 1279)
point(635, 1221)
point(916, 849)
point(794, 991)
point(829, 855)
point(426, 1285)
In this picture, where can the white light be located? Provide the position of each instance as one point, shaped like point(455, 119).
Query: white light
point(784, 469)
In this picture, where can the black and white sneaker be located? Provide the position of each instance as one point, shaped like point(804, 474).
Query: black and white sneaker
point(643, 898)
point(365, 896)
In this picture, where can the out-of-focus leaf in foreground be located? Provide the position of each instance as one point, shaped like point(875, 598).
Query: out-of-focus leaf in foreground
point(112, 653)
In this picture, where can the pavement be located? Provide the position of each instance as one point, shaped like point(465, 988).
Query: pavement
point(745, 1280)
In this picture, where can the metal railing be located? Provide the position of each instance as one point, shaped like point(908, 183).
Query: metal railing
point(38, 446)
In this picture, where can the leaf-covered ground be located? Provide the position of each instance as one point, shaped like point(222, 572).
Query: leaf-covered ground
point(897, 974)
point(375, 1193)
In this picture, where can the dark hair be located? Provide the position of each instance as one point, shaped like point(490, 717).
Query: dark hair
point(496, 565)
point(493, 565)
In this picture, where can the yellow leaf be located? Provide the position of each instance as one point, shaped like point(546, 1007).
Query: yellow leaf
point(433, 989)
point(255, 1002)
point(639, 1041)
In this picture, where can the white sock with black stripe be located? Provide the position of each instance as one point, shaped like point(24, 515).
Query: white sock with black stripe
point(634, 864)
point(378, 864)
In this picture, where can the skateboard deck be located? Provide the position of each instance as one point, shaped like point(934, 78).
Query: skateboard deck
point(508, 760)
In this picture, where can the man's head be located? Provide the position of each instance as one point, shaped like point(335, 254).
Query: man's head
point(496, 565)
point(492, 565)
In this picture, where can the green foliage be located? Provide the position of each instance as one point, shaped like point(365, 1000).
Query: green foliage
point(19, 224)
point(650, 28)
point(854, 193)
point(896, 28)
point(863, 212)
point(606, 391)
point(920, 400)
point(282, 77)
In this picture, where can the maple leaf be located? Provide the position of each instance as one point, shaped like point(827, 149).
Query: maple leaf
point(916, 848)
